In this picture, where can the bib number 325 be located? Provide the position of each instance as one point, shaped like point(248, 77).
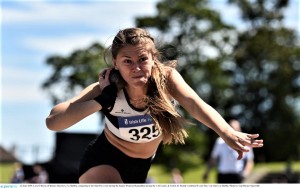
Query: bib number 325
point(145, 133)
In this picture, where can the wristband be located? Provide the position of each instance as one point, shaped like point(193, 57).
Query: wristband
point(108, 96)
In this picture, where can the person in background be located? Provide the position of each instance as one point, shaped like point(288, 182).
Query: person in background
point(176, 176)
point(18, 176)
point(41, 175)
point(229, 169)
point(136, 95)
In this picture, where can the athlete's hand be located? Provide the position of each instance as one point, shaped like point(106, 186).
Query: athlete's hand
point(240, 141)
point(109, 90)
point(104, 78)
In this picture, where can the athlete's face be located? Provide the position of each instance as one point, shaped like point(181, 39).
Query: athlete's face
point(135, 64)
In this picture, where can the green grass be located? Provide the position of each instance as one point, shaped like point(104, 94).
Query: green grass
point(6, 172)
point(276, 167)
point(279, 166)
point(161, 175)
point(194, 175)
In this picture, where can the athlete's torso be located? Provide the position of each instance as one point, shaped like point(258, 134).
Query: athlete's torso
point(130, 129)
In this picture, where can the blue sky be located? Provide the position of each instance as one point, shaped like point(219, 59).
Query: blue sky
point(33, 30)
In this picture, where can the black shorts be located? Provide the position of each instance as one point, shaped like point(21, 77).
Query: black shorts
point(229, 178)
point(101, 151)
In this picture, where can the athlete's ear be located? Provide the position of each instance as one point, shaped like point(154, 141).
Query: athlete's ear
point(114, 64)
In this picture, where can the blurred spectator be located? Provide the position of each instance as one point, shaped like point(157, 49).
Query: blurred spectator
point(230, 170)
point(150, 179)
point(41, 175)
point(288, 170)
point(176, 176)
point(18, 176)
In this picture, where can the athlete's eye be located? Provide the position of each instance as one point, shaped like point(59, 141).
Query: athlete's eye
point(127, 61)
point(143, 59)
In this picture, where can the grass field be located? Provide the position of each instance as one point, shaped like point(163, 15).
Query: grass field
point(193, 175)
point(6, 172)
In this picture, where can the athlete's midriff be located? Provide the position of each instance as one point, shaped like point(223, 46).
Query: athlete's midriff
point(135, 150)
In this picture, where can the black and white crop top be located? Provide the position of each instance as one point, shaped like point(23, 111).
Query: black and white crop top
point(129, 123)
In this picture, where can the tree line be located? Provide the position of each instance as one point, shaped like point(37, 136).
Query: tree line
point(252, 75)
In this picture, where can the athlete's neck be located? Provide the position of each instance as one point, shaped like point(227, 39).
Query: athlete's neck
point(136, 93)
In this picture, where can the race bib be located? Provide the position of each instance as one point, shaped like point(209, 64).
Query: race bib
point(138, 129)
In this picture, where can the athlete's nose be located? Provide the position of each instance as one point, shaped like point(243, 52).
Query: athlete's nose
point(136, 66)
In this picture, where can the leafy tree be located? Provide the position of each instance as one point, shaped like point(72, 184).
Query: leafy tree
point(195, 34)
point(252, 75)
point(189, 28)
point(242, 79)
point(266, 78)
point(72, 73)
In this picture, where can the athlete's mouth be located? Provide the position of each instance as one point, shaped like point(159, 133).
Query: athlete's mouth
point(140, 76)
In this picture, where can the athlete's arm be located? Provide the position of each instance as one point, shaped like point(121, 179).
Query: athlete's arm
point(67, 113)
point(204, 113)
point(190, 101)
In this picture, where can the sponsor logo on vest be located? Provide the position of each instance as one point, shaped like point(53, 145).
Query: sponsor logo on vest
point(122, 111)
point(135, 121)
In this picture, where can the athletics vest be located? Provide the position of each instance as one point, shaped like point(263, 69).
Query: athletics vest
point(129, 123)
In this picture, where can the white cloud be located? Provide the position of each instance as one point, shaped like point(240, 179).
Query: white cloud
point(61, 44)
point(105, 17)
point(292, 15)
point(228, 12)
point(22, 85)
point(97, 14)
point(232, 15)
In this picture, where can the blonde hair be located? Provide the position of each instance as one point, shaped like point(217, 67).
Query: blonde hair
point(159, 101)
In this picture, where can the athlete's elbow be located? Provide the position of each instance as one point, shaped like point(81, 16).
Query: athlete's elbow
point(49, 124)
point(54, 120)
point(52, 124)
